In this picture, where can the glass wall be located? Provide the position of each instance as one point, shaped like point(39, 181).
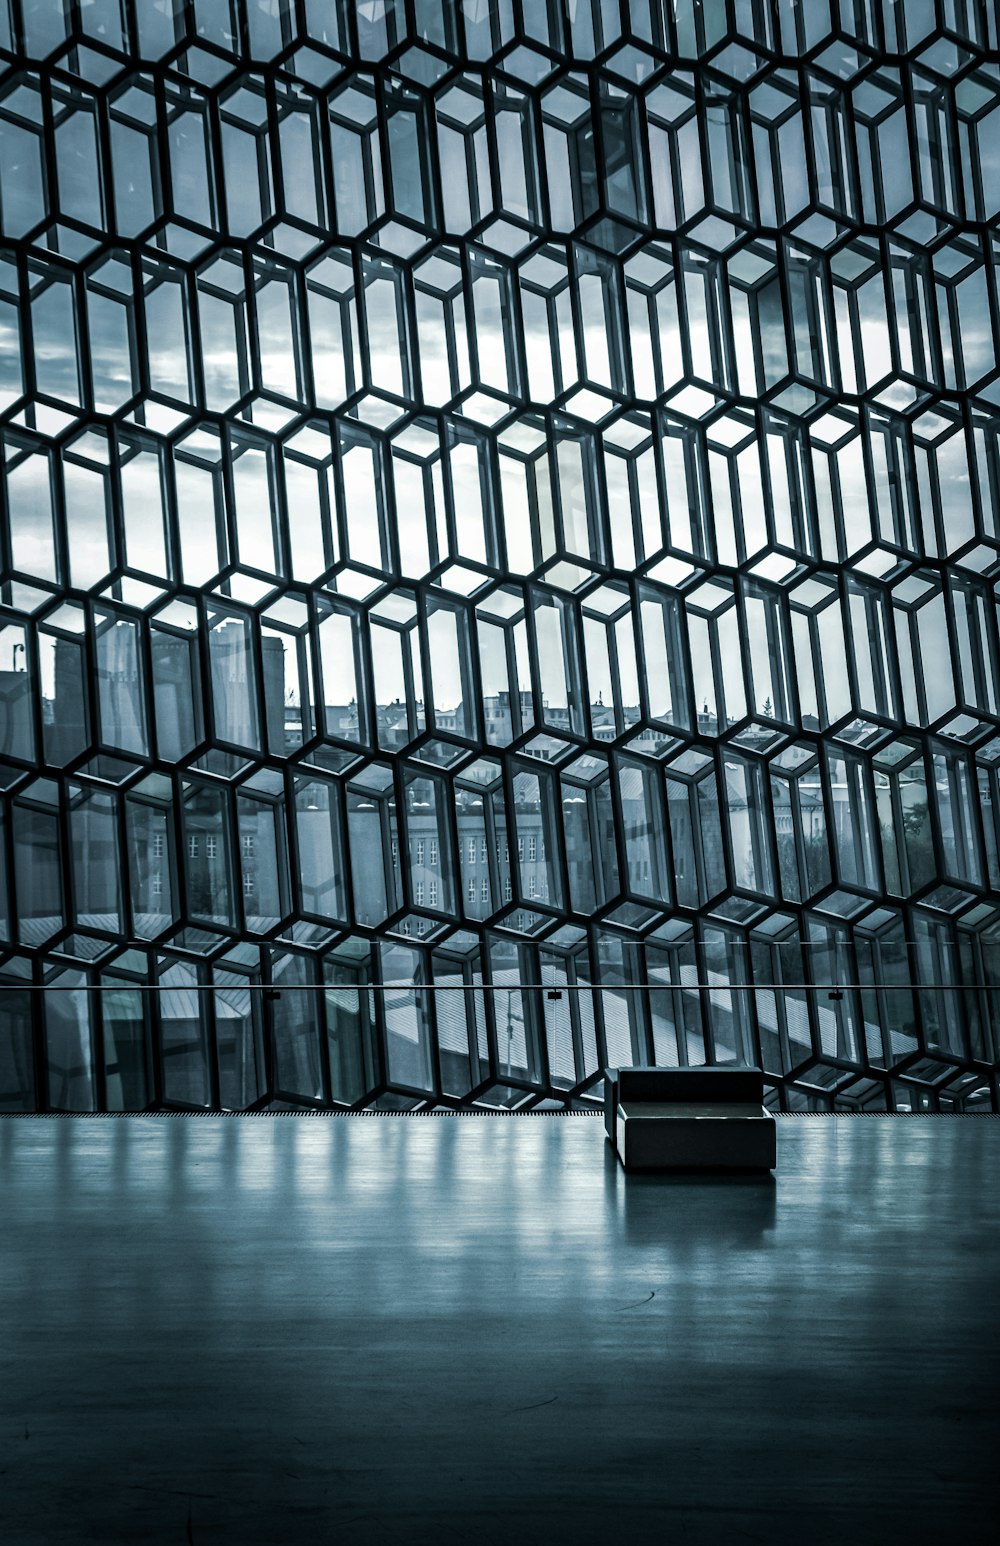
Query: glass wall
point(498, 493)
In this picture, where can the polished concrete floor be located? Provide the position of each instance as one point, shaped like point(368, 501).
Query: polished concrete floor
point(402, 1329)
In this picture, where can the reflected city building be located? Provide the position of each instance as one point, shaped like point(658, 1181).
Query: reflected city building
point(498, 495)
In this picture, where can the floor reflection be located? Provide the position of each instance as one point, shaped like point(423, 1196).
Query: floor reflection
point(297, 1323)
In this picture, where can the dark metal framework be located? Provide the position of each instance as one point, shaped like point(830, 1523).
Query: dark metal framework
point(498, 492)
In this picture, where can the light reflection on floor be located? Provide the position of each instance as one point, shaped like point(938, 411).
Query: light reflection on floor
point(398, 1329)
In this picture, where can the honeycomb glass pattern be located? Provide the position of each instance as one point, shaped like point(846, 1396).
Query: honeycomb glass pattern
point(498, 496)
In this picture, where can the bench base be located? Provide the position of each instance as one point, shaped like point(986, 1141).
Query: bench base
point(679, 1141)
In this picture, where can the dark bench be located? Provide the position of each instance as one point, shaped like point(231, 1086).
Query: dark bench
point(689, 1118)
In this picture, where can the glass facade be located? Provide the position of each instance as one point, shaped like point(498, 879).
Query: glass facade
point(498, 493)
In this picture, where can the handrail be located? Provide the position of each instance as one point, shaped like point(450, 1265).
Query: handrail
point(500, 987)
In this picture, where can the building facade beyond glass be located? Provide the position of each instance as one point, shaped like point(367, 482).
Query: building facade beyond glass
point(501, 496)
